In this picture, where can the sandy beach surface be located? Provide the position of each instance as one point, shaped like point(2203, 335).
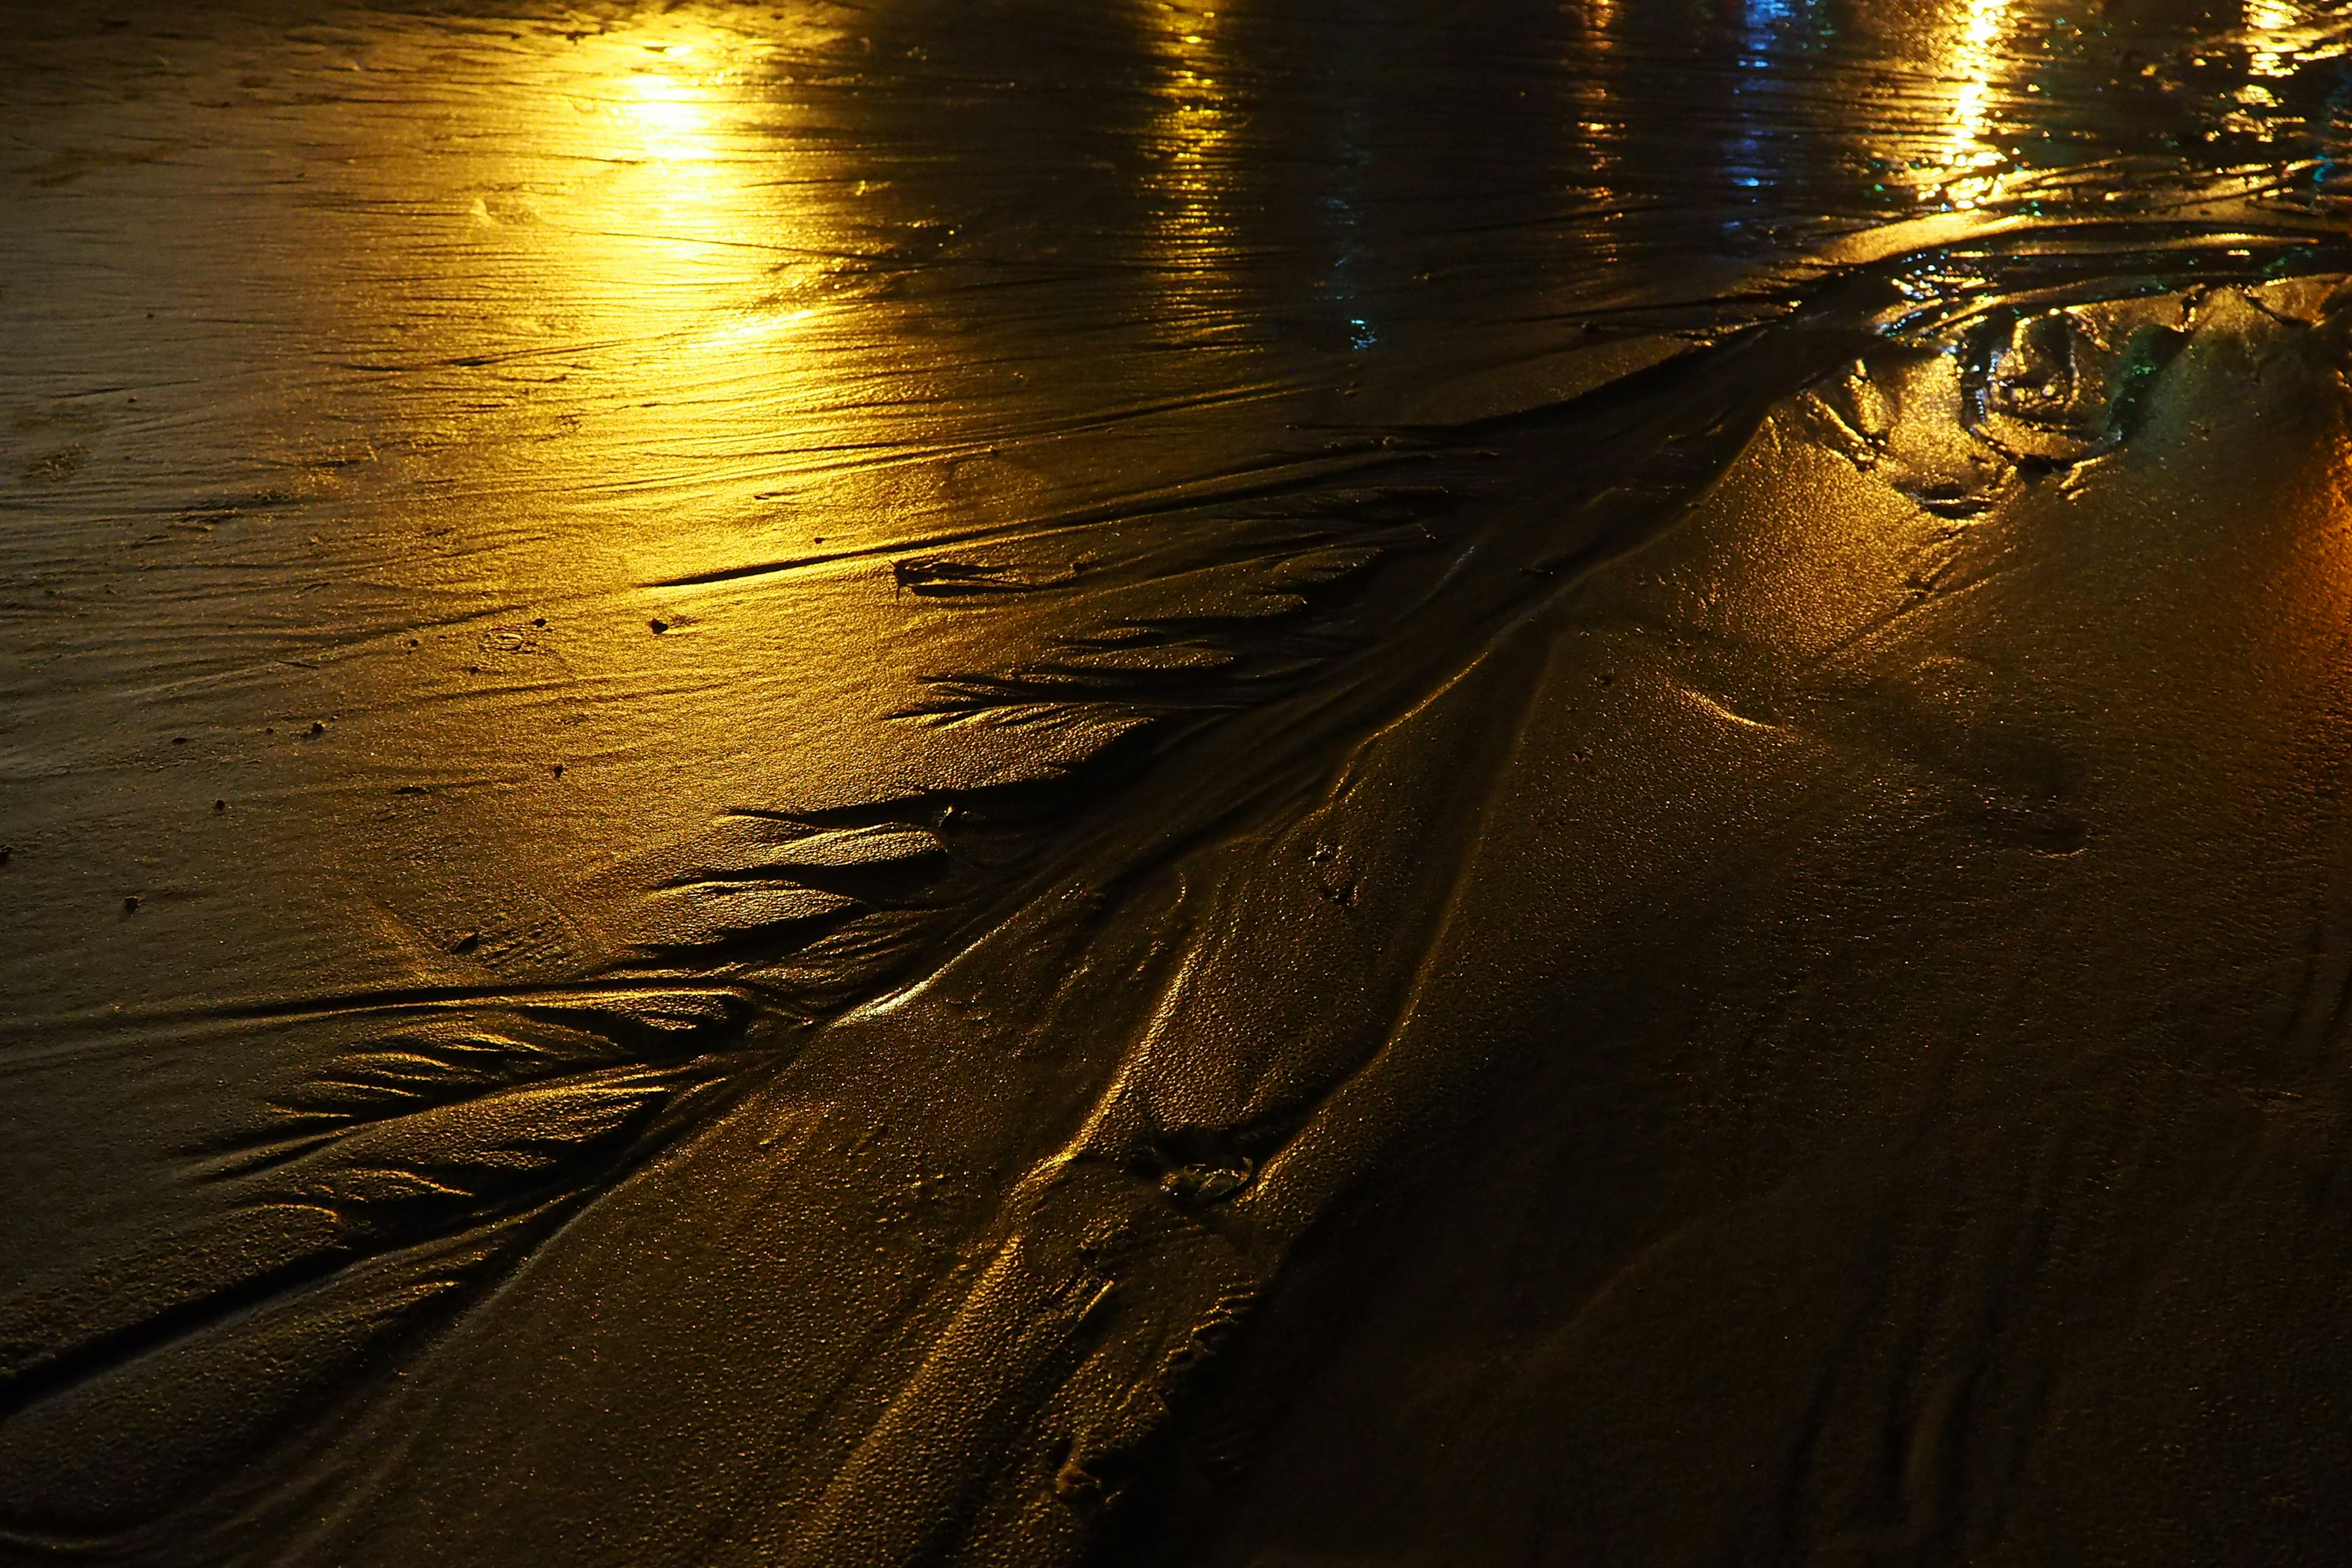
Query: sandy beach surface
point(1274, 786)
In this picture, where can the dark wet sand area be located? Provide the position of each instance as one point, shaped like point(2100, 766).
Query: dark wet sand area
point(1272, 785)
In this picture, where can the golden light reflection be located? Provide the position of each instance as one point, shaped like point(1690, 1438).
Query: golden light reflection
point(1590, 103)
point(672, 193)
point(1968, 168)
point(2265, 21)
point(674, 111)
point(1599, 16)
point(1191, 138)
point(678, 252)
point(2279, 36)
point(628, 336)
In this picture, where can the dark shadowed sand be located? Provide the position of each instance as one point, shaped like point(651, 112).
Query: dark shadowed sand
point(1283, 787)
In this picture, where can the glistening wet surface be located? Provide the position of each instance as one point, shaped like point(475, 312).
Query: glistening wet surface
point(1001, 783)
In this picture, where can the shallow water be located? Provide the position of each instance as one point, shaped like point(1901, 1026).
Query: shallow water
point(1285, 784)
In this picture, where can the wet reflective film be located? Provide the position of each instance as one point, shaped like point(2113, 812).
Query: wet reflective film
point(1219, 787)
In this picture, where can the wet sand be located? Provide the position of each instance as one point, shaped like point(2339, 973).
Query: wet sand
point(1263, 786)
